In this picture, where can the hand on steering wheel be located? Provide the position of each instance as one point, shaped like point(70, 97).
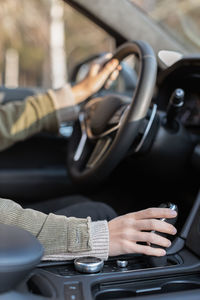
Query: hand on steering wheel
point(97, 77)
point(96, 145)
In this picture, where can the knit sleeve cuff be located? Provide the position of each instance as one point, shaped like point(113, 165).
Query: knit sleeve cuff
point(66, 107)
point(99, 238)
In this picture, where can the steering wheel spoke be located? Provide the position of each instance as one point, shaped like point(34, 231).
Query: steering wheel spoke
point(80, 148)
point(98, 152)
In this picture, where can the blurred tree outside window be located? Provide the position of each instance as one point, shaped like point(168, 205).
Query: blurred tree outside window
point(43, 40)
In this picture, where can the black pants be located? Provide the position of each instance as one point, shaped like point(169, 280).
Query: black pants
point(76, 206)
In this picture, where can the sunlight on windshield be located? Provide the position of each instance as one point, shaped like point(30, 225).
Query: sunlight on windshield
point(180, 17)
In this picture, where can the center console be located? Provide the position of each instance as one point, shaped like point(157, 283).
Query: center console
point(125, 277)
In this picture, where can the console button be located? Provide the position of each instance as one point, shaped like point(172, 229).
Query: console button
point(122, 263)
point(72, 291)
point(88, 264)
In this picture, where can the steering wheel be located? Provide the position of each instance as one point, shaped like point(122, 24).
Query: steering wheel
point(106, 129)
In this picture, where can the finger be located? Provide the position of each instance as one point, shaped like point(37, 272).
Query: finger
point(119, 67)
point(94, 69)
point(114, 75)
point(112, 78)
point(146, 250)
point(108, 84)
point(152, 238)
point(155, 212)
point(156, 225)
point(108, 69)
point(98, 63)
point(103, 59)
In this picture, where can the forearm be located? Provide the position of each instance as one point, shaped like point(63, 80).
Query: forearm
point(81, 91)
point(65, 102)
point(62, 238)
point(22, 119)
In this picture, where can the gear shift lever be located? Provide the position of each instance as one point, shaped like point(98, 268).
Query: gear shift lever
point(176, 102)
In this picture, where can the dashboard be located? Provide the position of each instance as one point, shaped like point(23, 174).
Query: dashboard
point(184, 74)
point(190, 114)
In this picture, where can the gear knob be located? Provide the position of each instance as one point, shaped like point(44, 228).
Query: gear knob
point(162, 261)
point(171, 206)
point(176, 102)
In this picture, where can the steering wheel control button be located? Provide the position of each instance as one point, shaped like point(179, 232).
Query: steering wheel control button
point(88, 264)
point(122, 263)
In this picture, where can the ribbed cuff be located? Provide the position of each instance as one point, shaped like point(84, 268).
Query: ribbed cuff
point(100, 239)
point(66, 108)
point(99, 235)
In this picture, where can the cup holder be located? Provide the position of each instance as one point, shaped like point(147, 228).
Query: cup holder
point(40, 286)
point(115, 294)
point(133, 290)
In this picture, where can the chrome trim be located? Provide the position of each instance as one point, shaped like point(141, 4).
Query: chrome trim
point(153, 114)
point(172, 206)
point(122, 263)
point(83, 139)
point(178, 105)
point(80, 147)
point(88, 264)
point(149, 290)
point(94, 159)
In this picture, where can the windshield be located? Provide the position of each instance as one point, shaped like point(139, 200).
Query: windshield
point(181, 18)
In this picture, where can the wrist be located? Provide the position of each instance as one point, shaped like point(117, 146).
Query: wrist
point(100, 239)
point(64, 103)
point(81, 91)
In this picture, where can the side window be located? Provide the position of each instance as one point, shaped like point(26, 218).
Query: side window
point(23, 42)
point(84, 39)
point(41, 42)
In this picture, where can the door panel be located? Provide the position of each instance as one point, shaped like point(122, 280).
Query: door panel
point(34, 169)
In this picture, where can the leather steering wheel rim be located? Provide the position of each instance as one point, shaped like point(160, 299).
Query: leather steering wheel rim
point(130, 125)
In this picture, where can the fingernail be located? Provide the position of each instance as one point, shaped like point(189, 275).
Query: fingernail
point(163, 252)
point(174, 231)
point(173, 213)
point(169, 244)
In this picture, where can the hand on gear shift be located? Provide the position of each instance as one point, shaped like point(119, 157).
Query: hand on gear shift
point(162, 261)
